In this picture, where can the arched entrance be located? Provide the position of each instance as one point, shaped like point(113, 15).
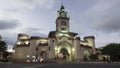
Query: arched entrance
point(43, 56)
point(64, 51)
point(65, 54)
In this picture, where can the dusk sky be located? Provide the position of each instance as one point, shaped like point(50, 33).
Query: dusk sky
point(99, 18)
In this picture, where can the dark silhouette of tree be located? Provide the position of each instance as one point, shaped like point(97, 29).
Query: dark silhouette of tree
point(94, 56)
point(3, 48)
point(113, 50)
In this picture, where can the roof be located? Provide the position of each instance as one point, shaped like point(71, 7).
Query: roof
point(89, 37)
point(22, 34)
point(52, 33)
point(34, 37)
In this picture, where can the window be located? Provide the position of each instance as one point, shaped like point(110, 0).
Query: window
point(63, 23)
point(49, 48)
point(36, 48)
point(63, 28)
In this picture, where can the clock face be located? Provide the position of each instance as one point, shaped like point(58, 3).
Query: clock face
point(63, 14)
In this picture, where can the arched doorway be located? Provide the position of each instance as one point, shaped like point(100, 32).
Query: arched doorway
point(65, 54)
point(43, 56)
point(64, 51)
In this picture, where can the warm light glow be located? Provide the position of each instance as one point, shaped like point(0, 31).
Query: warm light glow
point(18, 43)
point(42, 49)
point(28, 56)
point(73, 49)
point(43, 41)
point(23, 37)
point(69, 51)
point(66, 35)
point(26, 42)
point(63, 31)
point(56, 48)
point(60, 34)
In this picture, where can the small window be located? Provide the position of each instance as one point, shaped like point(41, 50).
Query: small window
point(53, 40)
point(49, 48)
point(36, 48)
point(63, 28)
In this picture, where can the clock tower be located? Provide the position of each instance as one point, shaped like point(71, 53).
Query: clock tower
point(62, 21)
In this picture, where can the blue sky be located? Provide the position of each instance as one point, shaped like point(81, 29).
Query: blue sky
point(100, 18)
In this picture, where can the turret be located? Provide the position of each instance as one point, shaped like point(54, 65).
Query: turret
point(91, 42)
point(77, 49)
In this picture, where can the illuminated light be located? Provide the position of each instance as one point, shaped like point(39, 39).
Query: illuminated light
point(42, 49)
point(27, 42)
point(43, 41)
point(64, 31)
point(56, 48)
point(23, 37)
point(69, 51)
point(73, 49)
point(18, 43)
point(60, 34)
point(66, 35)
point(28, 56)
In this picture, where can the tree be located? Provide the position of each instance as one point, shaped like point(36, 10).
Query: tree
point(113, 50)
point(3, 48)
point(94, 56)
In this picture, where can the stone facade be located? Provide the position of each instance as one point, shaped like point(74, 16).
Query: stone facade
point(60, 45)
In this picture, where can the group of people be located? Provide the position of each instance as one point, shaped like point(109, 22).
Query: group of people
point(35, 59)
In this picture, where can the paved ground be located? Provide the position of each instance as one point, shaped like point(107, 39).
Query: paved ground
point(72, 65)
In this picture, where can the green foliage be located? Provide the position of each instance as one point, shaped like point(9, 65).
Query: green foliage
point(113, 50)
point(3, 48)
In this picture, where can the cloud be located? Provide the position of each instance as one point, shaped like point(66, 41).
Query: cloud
point(26, 4)
point(112, 25)
point(34, 31)
point(8, 24)
point(10, 41)
point(10, 38)
point(103, 16)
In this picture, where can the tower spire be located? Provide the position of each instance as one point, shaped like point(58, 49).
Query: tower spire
point(61, 2)
point(62, 6)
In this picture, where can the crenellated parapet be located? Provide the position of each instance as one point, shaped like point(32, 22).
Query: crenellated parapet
point(22, 36)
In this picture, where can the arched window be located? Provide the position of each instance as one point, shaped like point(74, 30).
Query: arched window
point(63, 23)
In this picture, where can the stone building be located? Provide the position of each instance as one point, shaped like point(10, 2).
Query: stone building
point(60, 45)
